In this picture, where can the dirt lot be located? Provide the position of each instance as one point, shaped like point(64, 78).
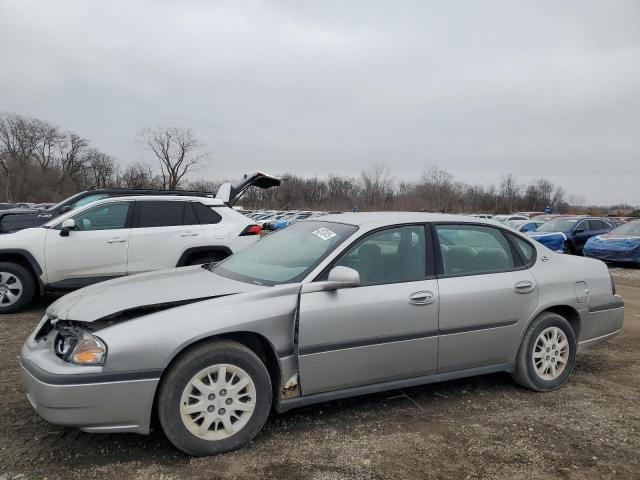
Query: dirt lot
point(484, 427)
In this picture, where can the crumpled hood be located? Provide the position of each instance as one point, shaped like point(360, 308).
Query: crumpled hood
point(155, 288)
point(552, 240)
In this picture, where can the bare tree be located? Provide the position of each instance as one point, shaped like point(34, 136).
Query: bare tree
point(177, 151)
point(101, 168)
point(377, 186)
point(73, 155)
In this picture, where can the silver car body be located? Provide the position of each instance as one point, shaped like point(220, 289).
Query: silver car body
point(318, 345)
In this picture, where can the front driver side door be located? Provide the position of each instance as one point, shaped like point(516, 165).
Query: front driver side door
point(96, 250)
point(383, 330)
point(581, 233)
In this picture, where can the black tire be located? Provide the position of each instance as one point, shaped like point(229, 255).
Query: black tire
point(26, 293)
point(206, 258)
point(185, 368)
point(525, 372)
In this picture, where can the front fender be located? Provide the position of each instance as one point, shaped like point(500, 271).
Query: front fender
point(152, 341)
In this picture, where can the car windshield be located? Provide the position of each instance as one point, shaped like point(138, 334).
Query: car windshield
point(632, 228)
point(559, 225)
point(286, 256)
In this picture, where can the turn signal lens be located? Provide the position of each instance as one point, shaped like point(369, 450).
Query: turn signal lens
point(89, 351)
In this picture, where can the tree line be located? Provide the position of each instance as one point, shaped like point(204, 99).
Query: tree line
point(42, 162)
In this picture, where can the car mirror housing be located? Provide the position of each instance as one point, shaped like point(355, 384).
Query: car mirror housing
point(66, 208)
point(338, 278)
point(66, 226)
point(579, 230)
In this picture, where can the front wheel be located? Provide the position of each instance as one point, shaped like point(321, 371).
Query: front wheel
point(215, 398)
point(547, 353)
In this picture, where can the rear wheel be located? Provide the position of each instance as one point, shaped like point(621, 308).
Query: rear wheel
point(215, 398)
point(17, 287)
point(547, 353)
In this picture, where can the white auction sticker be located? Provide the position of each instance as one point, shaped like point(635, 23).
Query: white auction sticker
point(324, 233)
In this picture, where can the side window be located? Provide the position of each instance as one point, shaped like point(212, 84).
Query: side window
point(473, 249)
point(88, 199)
point(598, 225)
point(583, 225)
point(206, 215)
point(527, 250)
point(159, 213)
point(189, 214)
point(103, 217)
point(392, 255)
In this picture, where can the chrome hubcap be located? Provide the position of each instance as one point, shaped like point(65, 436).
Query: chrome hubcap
point(10, 289)
point(218, 402)
point(550, 353)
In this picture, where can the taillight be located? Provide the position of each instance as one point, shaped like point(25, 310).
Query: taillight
point(613, 284)
point(251, 230)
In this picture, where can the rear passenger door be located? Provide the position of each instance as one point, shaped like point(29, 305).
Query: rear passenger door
point(162, 231)
point(486, 294)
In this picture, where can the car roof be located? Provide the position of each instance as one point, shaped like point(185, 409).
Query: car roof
point(380, 219)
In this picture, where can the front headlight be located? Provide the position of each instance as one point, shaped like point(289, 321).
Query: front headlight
point(79, 346)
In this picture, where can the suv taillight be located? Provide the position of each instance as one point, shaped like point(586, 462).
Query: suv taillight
point(251, 230)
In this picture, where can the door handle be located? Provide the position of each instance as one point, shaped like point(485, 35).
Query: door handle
point(422, 298)
point(117, 240)
point(523, 286)
point(189, 234)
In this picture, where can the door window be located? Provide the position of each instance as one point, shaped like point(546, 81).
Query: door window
point(389, 256)
point(597, 225)
point(163, 213)
point(473, 249)
point(109, 216)
point(527, 250)
point(584, 225)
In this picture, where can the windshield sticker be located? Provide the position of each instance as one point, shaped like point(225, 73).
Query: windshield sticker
point(324, 233)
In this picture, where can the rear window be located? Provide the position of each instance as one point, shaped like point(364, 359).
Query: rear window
point(206, 215)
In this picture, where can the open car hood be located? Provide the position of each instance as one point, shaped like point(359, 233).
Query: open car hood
point(230, 193)
point(144, 293)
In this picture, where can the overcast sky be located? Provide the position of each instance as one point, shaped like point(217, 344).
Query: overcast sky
point(540, 88)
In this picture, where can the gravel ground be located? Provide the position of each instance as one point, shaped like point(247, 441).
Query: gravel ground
point(485, 427)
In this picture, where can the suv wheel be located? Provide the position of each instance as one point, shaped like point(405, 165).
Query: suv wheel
point(17, 287)
point(547, 353)
point(215, 398)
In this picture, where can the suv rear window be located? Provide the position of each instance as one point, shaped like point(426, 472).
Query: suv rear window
point(160, 213)
point(206, 215)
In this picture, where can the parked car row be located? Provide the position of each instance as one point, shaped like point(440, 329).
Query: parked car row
point(277, 219)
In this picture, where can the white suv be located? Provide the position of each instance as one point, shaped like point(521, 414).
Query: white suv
point(115, 237)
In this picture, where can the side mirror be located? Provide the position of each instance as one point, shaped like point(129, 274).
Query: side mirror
point(68, 225)
point(339, 277)
point(579, 230)
point(347, 277)
point(66, 208)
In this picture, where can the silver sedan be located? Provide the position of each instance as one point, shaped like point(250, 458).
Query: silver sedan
point(322, 310)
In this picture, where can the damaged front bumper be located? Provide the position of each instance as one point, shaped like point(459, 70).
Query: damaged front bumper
point(86, 397)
